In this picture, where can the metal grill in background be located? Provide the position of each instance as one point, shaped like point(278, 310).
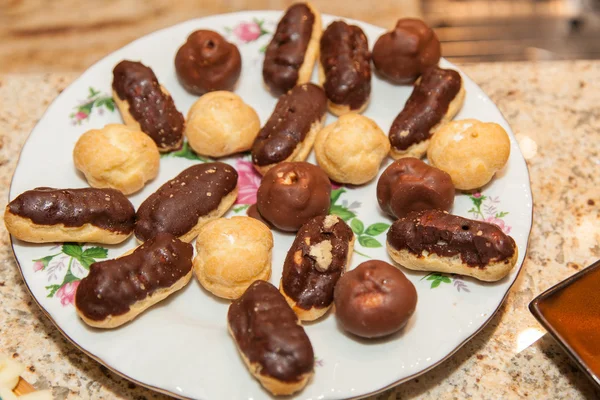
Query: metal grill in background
point(515, 30)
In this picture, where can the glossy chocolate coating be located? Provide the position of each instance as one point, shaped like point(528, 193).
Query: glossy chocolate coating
point(408, 184)
point(375, 299)
point(207, 62)
point(267, 332)
point(294, 114)
point(285, 53)
point(113, 286)
point(346, 62)
point(176, 206)
point(302, 279)
point(477, 243)
point(292, 193)
point(153, 109)
point(425, 108)
point(104, 208)
point(402, 54)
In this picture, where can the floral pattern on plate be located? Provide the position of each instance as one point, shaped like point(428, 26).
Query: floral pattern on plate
point(485, 208)
point(95, 100)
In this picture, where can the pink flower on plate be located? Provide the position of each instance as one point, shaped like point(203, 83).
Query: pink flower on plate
point(66, 293)
point(247, 31)
point(81, 115)
point(248, 182)
point(500, 222)
point(38, 266)
point(476, 195)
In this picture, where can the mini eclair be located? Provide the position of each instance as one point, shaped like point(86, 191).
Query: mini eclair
point(45, 215)
point(184, 204)
point(116, 291)
point(317, 259)
point(434, 240)
point(290, 132)
point(270, 339)
point(436, 98)
point(291, 54)
point(146, 105)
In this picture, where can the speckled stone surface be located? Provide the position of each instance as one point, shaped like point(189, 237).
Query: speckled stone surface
point(553, 109)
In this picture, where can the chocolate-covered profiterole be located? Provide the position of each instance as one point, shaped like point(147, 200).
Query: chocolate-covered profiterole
point(375, 299)
point(409, 184)
point(477, 243)
point(292, 193)
point(315, 262)
point(402, 54)
point(267, 333)
point(292, 119)
point(207, 62)
point(346, 64)
point(104, 208)
point(152, 108)
point(113, 286)
point(285, 53)
point(425, 107)
point(178, 204)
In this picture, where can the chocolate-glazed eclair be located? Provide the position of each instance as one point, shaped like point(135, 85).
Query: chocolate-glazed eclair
point(317, 259)
point(290, 132)
point(181, 206)
point(207, 62)
point(436, 98)
point(291, 54)
point(44, 215)
point(270, 339)
point(434, 240)
point(116, 291)
point(146, 105)
point(345, 68)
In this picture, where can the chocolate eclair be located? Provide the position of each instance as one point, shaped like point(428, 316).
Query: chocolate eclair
point(146, 105)
point(345, 68)
point(116, 291)
point(434, 240)
point(270, 339)
point(184, 204)
point(290, 132)
point(291, 54)
point(45, 215)
point(436, 98)
point(207, 62)
point(317, 259)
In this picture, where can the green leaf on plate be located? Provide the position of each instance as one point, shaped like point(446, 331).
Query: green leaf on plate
point(109, 103)
point(357, 226)
point(72, 249)
point(368, 241)
point(501, 214)
point(445, 279)
point(52, 290)
point(335, 194)
point(377, 229)
point(96, 252)
point(341, 212)
point(435, 284)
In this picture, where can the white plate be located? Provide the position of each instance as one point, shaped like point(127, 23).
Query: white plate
point(181, 346)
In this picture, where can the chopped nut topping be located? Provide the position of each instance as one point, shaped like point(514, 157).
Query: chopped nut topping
point(321, 253)
point(330, 221)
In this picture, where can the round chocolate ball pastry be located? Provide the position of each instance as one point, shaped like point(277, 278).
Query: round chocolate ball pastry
point(402, 54)
point(207, 62)
point(408, 184)
point(292, 193)
point(373, 300)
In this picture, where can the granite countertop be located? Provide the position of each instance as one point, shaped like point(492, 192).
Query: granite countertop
point(553, 110)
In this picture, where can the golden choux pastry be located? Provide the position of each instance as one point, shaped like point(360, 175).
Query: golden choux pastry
point(117, 157)
point(231, 254)
point(351, 149)
point(220, 123)
point(470, 151)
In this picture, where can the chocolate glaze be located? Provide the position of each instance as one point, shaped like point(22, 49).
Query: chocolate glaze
point(113, 286)
point(302, 281)
point(176, 206)
point(292, 193)
point(425, 108)
point(346, 63)
point(289, 124)
point(402, 54)
point(285, 53)
point(207, 62)
point(374, 300)
point(408, 184)
point(153, 109)
point(267, 332)
point(477, 243)
point(104, 208)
